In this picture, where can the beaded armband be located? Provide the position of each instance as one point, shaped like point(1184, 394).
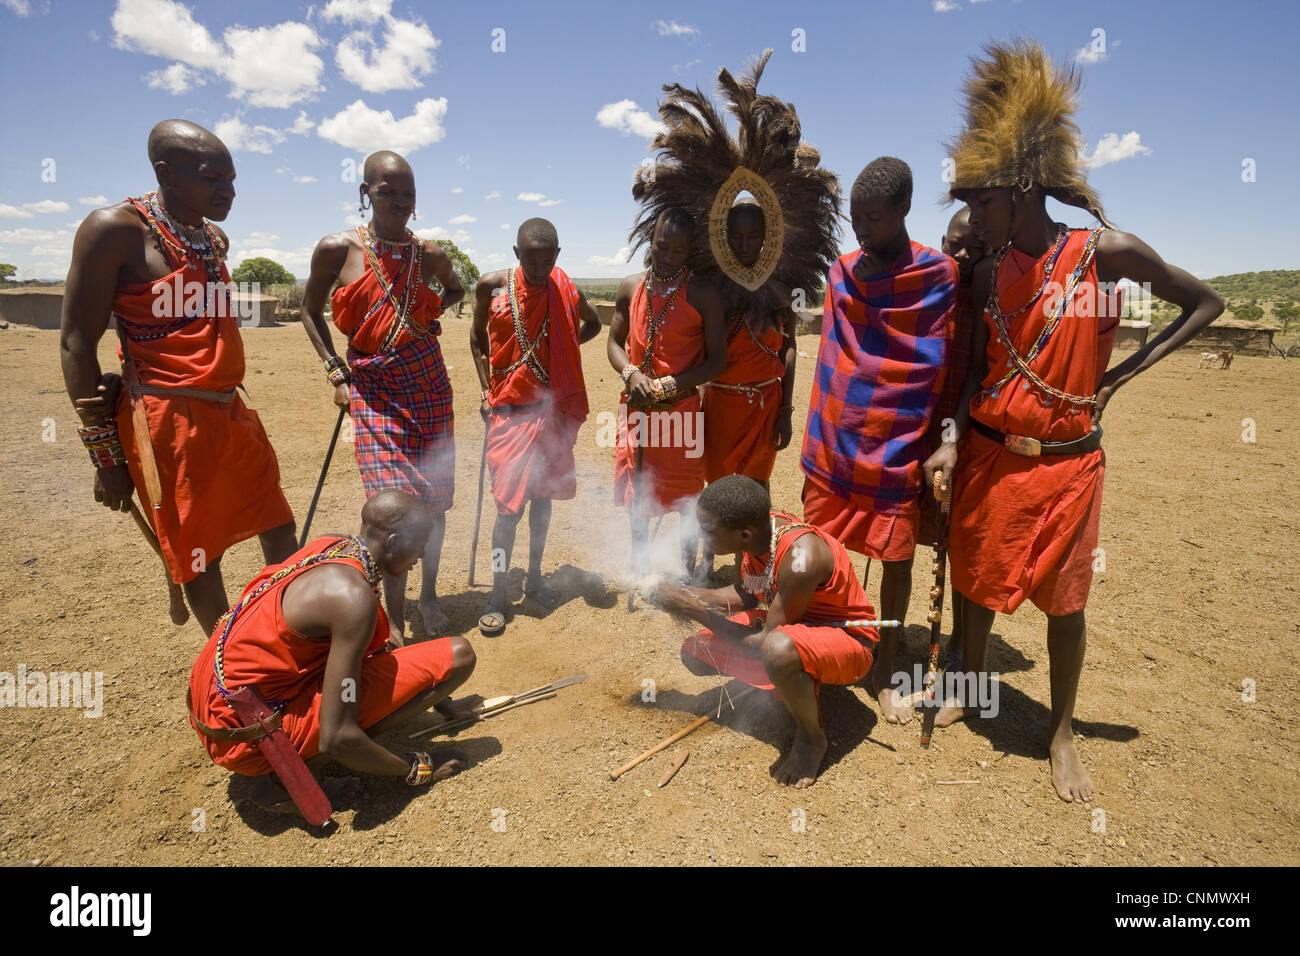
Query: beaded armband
point(628, 369)
point(421, 769)
point(336, 371)
point(103, 444)
point(663, 387)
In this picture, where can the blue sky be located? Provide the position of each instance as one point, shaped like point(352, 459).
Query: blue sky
point(501, 126)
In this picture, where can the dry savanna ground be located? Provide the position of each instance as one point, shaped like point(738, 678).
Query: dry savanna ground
point(1197, 606)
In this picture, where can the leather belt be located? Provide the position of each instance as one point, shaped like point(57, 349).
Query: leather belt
point(225, 398)
point(1034, 448)
point(233, 734)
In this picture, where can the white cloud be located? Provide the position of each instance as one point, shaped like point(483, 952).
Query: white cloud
point(493, 259)
point(504, 225)
point(623, 255)
point(671, 28)
point(406, 55)
point(361, 128)
point(56, 243)
point(494, 194)
point(21, 7)
point(680, 68)
point(1088, 55)
point(531, 197)
point(240, 137)
point(550, 202)
point(944, 6)
point(302, 125)
point(460, 236)
point(30, 210)
point(93, 200)
point(273, 66)
point(463, 160)
point(1112, 147)
point(176, 79)
point(267, 66)
point(356, 11)
point(457, 191)
point(304, 179)
point(625, 117)
point(462, 219)
point(297, 261)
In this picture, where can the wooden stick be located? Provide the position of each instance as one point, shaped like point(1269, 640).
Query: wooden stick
point(478, 511)
point(175, 596)
point(663, 745)
point(674, 767)
point(470, 719)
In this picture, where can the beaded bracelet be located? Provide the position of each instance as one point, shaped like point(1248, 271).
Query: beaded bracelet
point(484, 396)
point(627, 372)
point(421, 769)
point(663, 387)
point(336, 371)
point(104, 445)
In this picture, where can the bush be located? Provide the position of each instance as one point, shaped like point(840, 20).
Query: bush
point(290, 296)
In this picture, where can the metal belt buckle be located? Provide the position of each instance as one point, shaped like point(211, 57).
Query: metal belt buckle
point(1021, 445)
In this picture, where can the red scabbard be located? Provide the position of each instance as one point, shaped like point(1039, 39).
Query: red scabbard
point(251, 708)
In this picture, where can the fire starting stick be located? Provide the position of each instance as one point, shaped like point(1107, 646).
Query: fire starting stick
point(693, 726)
point(673, 768)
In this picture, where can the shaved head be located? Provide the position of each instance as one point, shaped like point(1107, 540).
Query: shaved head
point(176, 140)
point(391, 511)
point(384, 161)
point(537, 232)
point(745, 210)
point(960, 219)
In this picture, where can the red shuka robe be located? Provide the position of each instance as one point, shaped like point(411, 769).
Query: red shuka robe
point(830, 655)
point(288, 667)
point(739, 425)
point(1026, 527)
point(533, 427)
point(672, 464)
point(219, 475)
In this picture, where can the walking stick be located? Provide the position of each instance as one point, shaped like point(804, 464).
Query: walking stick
point(175, 597)
point(478, 512)
point(306, 525)
point(929, 698)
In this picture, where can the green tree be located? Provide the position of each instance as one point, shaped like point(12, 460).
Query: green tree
point(465, 270)
point(263, 271)
point(1288, 312)
point(1248, 312)
point(7, 271)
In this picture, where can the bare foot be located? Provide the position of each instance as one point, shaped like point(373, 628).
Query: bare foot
point(448, 763)
point(1071, 780)
point(436, 623)
point(799, 770)
point(268, 794)
point(952, 711)
point(893, 708)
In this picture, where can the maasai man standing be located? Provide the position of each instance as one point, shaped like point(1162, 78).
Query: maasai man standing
point(309, 636)
point(747, 408)
point(394, 382)
point(156, 264)
point(886, 329)
point(528, 324)
point(806, 581)
point(1027, 448)
point(666, 338)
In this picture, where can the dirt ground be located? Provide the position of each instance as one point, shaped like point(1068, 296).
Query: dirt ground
point(1199, 595)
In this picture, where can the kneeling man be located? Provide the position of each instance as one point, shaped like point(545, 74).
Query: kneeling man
point(809, 632)
point(309, 636)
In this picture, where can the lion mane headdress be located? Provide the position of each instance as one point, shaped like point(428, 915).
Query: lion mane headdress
point(702, 169)
point(1020, 129)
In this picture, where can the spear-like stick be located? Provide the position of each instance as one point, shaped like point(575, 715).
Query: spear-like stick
point(929, 701)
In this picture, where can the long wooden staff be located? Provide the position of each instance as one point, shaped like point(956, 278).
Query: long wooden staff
point(324, 470)
point(478, 511)
point(177, 610)
point(929, 701)
point(175, 596)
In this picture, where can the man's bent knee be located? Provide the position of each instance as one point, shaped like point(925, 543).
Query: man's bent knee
point(463, 657)
point(780, 656)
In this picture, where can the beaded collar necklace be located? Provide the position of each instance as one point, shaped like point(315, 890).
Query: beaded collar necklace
point(352, 547)
point(527, 349)
point(410, 269)
point(191, 243)
point(654, 321)
point(1019, 364)
point(743, 320)
point(760, 585)
point(995, 306)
